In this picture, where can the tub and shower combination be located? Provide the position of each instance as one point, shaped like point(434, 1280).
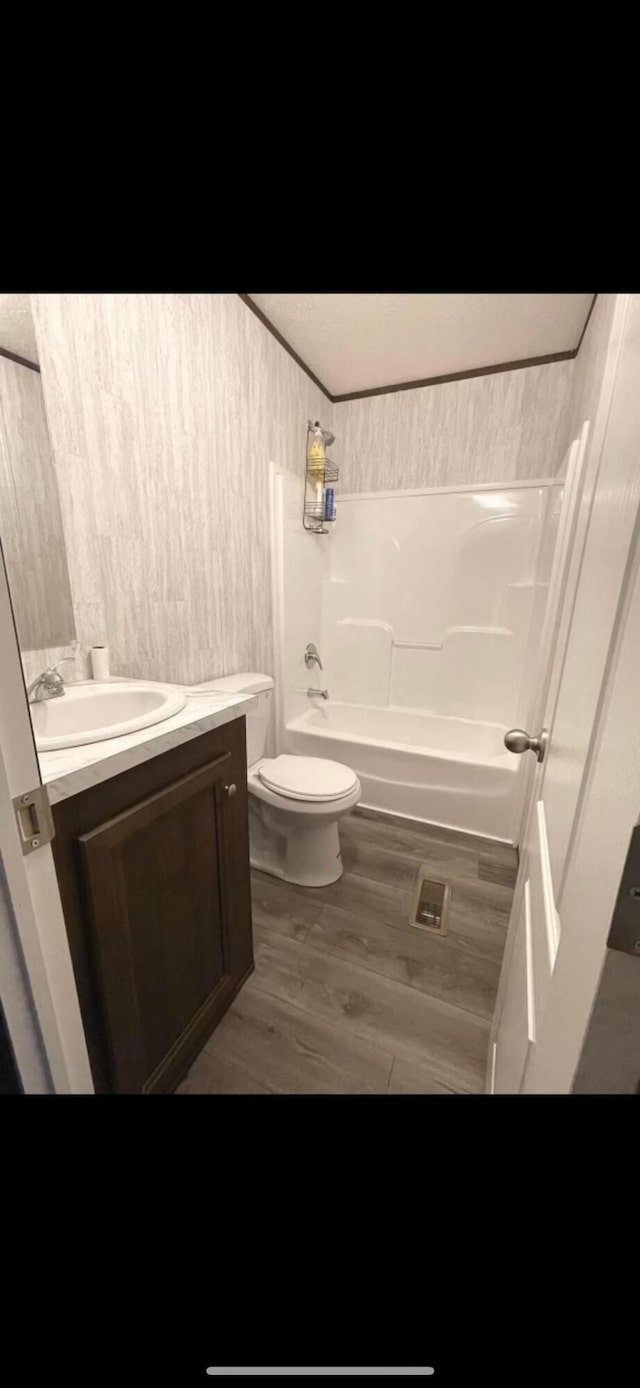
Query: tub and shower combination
point(426, 608)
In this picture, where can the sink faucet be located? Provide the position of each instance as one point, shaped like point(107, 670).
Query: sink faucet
point(318, 693)
point(49, 684)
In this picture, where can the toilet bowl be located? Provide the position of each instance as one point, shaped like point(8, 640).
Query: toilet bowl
point(295, 803)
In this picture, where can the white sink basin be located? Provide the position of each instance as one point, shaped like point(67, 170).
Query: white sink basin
point(92, 712)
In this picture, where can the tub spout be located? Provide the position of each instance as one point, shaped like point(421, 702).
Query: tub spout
point(318, 693)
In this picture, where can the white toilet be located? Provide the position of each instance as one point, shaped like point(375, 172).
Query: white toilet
point(294, 802)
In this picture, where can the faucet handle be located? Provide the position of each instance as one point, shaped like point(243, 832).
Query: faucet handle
point(52, 679)
point(311, 657)
point(65, 661)
point(48, 680)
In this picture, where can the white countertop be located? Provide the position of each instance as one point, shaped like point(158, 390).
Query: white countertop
point(73, 769)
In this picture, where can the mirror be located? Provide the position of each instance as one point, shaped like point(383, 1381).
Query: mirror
point(31, 530)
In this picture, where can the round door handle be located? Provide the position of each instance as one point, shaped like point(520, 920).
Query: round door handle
point(230, 790)
point(517, 740)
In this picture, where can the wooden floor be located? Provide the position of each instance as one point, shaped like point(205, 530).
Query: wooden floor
point(347, 997)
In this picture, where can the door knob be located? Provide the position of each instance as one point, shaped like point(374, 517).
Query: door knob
point(230, 790)
point(517, 740)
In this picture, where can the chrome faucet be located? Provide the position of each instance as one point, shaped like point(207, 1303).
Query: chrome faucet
point(318, 693)
point(311, 657)
point(49, 684)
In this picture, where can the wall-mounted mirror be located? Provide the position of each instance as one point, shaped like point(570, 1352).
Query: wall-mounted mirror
point(31, 530)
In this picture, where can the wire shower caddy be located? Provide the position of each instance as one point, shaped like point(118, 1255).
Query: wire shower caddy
point(316, 473)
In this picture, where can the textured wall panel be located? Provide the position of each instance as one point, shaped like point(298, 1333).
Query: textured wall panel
point(30, 520)
point(164, 411)
point(501, 428)
point(588, 368)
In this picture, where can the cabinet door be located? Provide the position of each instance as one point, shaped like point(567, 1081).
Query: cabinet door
point(162, 908)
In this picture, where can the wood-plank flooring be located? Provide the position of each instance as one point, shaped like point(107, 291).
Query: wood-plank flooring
point(347, 997)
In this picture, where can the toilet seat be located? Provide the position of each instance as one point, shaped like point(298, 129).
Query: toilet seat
point(312, 779)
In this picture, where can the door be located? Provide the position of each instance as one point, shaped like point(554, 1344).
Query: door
point(157, 898)
point(530, 963)
point(37, 987)
point(552, 945)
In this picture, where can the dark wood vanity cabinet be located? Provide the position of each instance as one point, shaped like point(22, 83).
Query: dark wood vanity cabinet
point(153, 867)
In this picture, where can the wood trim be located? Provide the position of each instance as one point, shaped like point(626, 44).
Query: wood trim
point(494, 370)
point(586, 323)
point(246, 299)
point(21, 361)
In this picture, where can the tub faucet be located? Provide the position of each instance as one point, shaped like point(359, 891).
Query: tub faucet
point(49, 684)
point(318, 693)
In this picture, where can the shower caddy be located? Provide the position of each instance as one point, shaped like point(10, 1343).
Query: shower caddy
point(318, 473)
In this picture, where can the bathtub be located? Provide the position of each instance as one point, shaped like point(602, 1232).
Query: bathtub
point(447, 771)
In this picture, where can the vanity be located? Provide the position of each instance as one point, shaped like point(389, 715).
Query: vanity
point(151, 853)
point(147, 781)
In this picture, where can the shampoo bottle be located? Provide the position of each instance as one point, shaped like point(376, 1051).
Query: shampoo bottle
point(317, 453)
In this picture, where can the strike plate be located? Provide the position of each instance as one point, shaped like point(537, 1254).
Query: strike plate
point(34, 819)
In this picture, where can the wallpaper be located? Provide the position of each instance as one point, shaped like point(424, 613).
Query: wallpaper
point(30, 520)
point(589, 366)
point(164, 411)
point(499, 428)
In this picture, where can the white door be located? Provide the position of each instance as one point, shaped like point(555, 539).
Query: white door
point(515, 1035)
point(555, 949)
point(37, 986)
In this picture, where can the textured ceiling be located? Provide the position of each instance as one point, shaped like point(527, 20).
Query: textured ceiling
point(359, 341)
point(17, 333)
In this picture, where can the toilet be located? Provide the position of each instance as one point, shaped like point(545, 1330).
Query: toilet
point(295, 803)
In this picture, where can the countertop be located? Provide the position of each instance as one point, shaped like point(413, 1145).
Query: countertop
point(73, 769)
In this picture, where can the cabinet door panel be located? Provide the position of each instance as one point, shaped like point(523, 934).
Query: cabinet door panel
point(157, 897)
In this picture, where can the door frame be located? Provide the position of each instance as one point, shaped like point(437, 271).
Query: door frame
point(37, 984)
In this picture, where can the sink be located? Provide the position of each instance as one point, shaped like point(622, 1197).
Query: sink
point(93, 711)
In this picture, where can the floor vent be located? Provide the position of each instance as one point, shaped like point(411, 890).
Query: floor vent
point(430, 905)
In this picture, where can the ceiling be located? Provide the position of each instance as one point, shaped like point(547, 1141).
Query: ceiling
point(360, 342)
point(357, 342)
point(17, 333)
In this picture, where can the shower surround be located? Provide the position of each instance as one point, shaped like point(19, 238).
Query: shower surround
point(426, 607)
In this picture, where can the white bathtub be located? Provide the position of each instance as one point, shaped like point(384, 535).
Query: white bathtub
point(447, 771)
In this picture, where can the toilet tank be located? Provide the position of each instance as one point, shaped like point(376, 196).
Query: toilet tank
point(261, 686)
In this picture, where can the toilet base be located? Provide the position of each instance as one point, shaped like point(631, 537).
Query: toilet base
point(312, 880)
point(307, 856)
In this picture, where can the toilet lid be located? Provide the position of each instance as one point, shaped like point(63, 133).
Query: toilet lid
point(307, 778)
